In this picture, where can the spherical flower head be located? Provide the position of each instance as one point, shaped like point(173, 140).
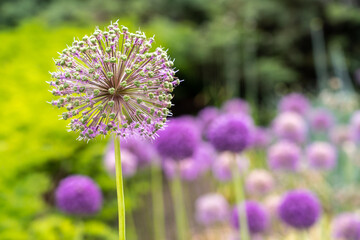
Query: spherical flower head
point(211, 208)
point(300, 209)
point(78, 195)
point(284, 156)
point(128, 162)
point(321, 155)
point(223, 165)
point(178, 140)
point(355, 126)
point(262, 138)
point(142, 149)
point(259, 182)
point(236, 106)
point(294, 102)
point(111, 81)
point(321, 119)
point(256, 215)
point(204, 156)
point(231, 132)
point(346, 226)
point(206, 116)
point(340, 134)
point(188, 169)
point(290, 126)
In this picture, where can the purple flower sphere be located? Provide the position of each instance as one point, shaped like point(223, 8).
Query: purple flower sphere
point(236, 105)
point(211, 208)
point(178, 140)
point(223, 165)
point(256, 215)
point(261, 138)
point(294, 102)
point(346, 226)
point(204, 156)
point(142, 149)
point(259, 182)
point(321, 119)
point(78, 195)
point(300, 209)
point(290, 126)
point(284, 156)
point(355, 126)
point(231, 132)
point(207, 115)
point(128, 162)
point(321, 155)
point(187, 168)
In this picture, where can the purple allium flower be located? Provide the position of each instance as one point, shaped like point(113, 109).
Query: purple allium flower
point(231, 132)
point(128, 162)
point(178, 140)
point(223, 165)
point(188, 169)
point(204, 156)
point(78, 195)
point(206, 116)
point(284, 156)
point(256, 214)
point(211, 208)
point(355, 126)
point(300, 209)
point(340, 134)
point(259, 182)
point(294, 102)
point(261, 138)
point(143, 149)
point(110, 81)
point(321, 119)
point(321, 155)
point(290, 126)
point(346, 226)
point(236, 106)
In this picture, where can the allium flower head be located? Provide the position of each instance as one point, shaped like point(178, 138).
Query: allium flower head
point(257, 217)
point(206, 116)
point(294, 102)
point(211, 208)
point(78, 195)
point(262, 138)
point(259, 182)
point(321, 155)
point(284, 156)
point(236, 105)
point(187, 168)
point(224, 164)
point(142, 149)
point(290, 126)
point(346, 226)
point(321, 119)
point(110, 81)
point(231, 132)
point(300, 209)
point(128, 162)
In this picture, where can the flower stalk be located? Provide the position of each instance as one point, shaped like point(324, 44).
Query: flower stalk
point(158, 202)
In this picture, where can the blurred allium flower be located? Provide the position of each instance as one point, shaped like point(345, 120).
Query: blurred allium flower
point(257, 217)
point(178, 140)
point(236, 105)
point(222, 166)
point(346, 226)
point(294, 102)
point(284, 156)
point(78, 195)
point(259, 182)
point(204, 156)
point(340, 134)
point(231, 132)
point(290, 126)
point(321, 119)
point(187, 168)
point(211, 208)
point(142, 149)
point(355, 126)
point(110, 81)
point(321, 155)
point(206, 116)
point(262, 138)
point(128, 162)
point(300, 209)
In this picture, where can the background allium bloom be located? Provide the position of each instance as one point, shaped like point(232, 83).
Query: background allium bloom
point(259, 182)
point(321, 119)
point(236, 105)
point(211, 208)
point(142, 149)
point(300, 209)
point(321, 155)
point(231, 132)
point(257, 217)
point(340, 134)
point(178, 140)
point(110, 81)
point(128, 162)
point(188, 169)
point(355, 126)
point(290, 126)
point(284, 155)
point(78, 195)
point(262, 138)
point(294, 102)
point(346, 226)
point(222, 166)
point(206, 116)
point(204, 156)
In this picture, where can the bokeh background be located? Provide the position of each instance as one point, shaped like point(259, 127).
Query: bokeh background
point(253, 49)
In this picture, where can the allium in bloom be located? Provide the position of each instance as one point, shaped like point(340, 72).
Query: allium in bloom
point(187, 168)
point(223, 165)
point(300, 209)
point(236, 105)
point(355, 126)
point(111, 81)
point(78, 195)
point(321, 119)
point(231, 132)
point(284, 156)
point(294, 102)
point(346, 226)
point(321, 155)
point(262, 138)
point(128, 162)
point(211, 208)
point(141, 148)
point(290, 126)
point(257, 217)
point(259, 182)
point(206, 116)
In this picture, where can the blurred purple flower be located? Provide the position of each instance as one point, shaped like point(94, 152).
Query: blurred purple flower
point(206, 116)
point(259, 182)
point(284, 156)
point(290, 126)
point(294, 102)
point(346, 226)
point(128, 162)
point(211, 208)
point(142, 149)
point(321, 119)
point(223, 165)
point(321, 155)
point(261, 138)
point(188, 169)
point(204, 156)
point(235, 106)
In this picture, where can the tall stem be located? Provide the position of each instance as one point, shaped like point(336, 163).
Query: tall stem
point(240, 199)
point(158, 202)
point(119, 188)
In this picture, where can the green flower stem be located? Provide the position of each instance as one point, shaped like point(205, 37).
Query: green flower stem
point(179, 208)
point(158, 202)
point(119, 188)
point(240, 199)
point(131, 231)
